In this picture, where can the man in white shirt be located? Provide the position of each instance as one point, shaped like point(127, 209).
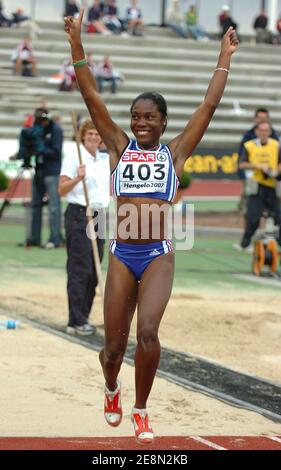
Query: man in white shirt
point(81, 271)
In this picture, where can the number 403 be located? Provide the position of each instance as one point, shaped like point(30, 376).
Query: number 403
point(144, 172)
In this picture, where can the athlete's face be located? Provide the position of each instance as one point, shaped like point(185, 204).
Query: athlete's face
point(147, 123)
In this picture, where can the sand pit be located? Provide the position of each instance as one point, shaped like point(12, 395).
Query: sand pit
point(56, 387)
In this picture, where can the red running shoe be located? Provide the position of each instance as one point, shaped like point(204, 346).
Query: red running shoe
point(112, 406)
point(143, 432)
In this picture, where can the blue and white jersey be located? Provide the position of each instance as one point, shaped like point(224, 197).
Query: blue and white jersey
point(145, 173)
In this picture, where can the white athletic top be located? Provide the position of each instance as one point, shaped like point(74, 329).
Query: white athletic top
point(97, 177)
point(145, 173)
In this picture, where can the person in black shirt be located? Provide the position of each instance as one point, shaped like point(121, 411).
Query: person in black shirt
point(225, 20)
point(4, 20)
point(71, 8)
point(260, 25)
point(44, 140)
point(95, 18)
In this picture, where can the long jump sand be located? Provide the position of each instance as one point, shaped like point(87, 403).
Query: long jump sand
point(51, 387)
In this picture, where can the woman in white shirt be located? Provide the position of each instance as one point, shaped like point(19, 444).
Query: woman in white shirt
point(81, 272)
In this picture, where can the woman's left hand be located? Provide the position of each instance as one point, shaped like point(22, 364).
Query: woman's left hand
point(229, 41)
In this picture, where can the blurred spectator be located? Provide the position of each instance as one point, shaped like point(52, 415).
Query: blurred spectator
point(71, 8)
point(110, 18)
point(192, 26)
point(20, 19)
point(260, 25)
point(91, 63)
point(95, 19)
point(278, 27)
point(67, 72)
point(19, 16)
point(68, 76)
point(4, 20)
point(134, 19)
point(175, 18)
point(106, 73)
point(23, 57)
point(225, 20)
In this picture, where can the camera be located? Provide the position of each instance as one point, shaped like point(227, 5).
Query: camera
point(32, 139)
point(31, 144)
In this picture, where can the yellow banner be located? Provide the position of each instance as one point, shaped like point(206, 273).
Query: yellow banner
point(213, 164)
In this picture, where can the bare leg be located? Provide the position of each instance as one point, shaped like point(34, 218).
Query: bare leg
point(119, 306)
point(18, 67)
point(154, 293)
point(33, 64)
point(140, 26)
point(131, 25)
point(101, 28)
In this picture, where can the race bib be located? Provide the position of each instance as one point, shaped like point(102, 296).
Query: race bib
point(143, 172)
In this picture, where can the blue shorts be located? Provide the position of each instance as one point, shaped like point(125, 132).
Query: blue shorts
point(137, 257)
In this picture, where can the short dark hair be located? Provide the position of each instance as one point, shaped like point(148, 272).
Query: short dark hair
point(158, 99)
point(261, 110)
point(41, 114)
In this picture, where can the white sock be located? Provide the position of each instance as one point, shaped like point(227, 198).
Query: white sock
point(139, 411)
point(110, 392)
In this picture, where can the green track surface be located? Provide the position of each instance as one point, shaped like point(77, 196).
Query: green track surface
point(17, 209)
point(211, 265)
point(213, 206)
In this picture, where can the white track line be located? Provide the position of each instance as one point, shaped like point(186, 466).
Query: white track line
point(276, 439)
point(207, 443)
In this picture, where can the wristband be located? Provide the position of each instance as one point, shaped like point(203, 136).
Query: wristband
point(80, 63)
point(222, 69)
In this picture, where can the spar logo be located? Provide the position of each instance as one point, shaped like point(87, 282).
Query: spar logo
point(134, 156)
point(161, 157)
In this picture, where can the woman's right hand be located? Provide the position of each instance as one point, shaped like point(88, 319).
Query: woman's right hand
point(229, 41)
point(72, 27)
point(81, 172)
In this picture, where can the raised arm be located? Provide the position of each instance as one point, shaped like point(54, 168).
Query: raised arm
point(114, 138)
point(183, 145)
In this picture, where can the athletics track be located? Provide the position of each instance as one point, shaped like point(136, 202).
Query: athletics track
point(161, 443)
point(199, 188)
point(125, 443)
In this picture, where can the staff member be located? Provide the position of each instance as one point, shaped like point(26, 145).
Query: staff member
point(263, 156)
point(261, 115)
point(81, 271)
